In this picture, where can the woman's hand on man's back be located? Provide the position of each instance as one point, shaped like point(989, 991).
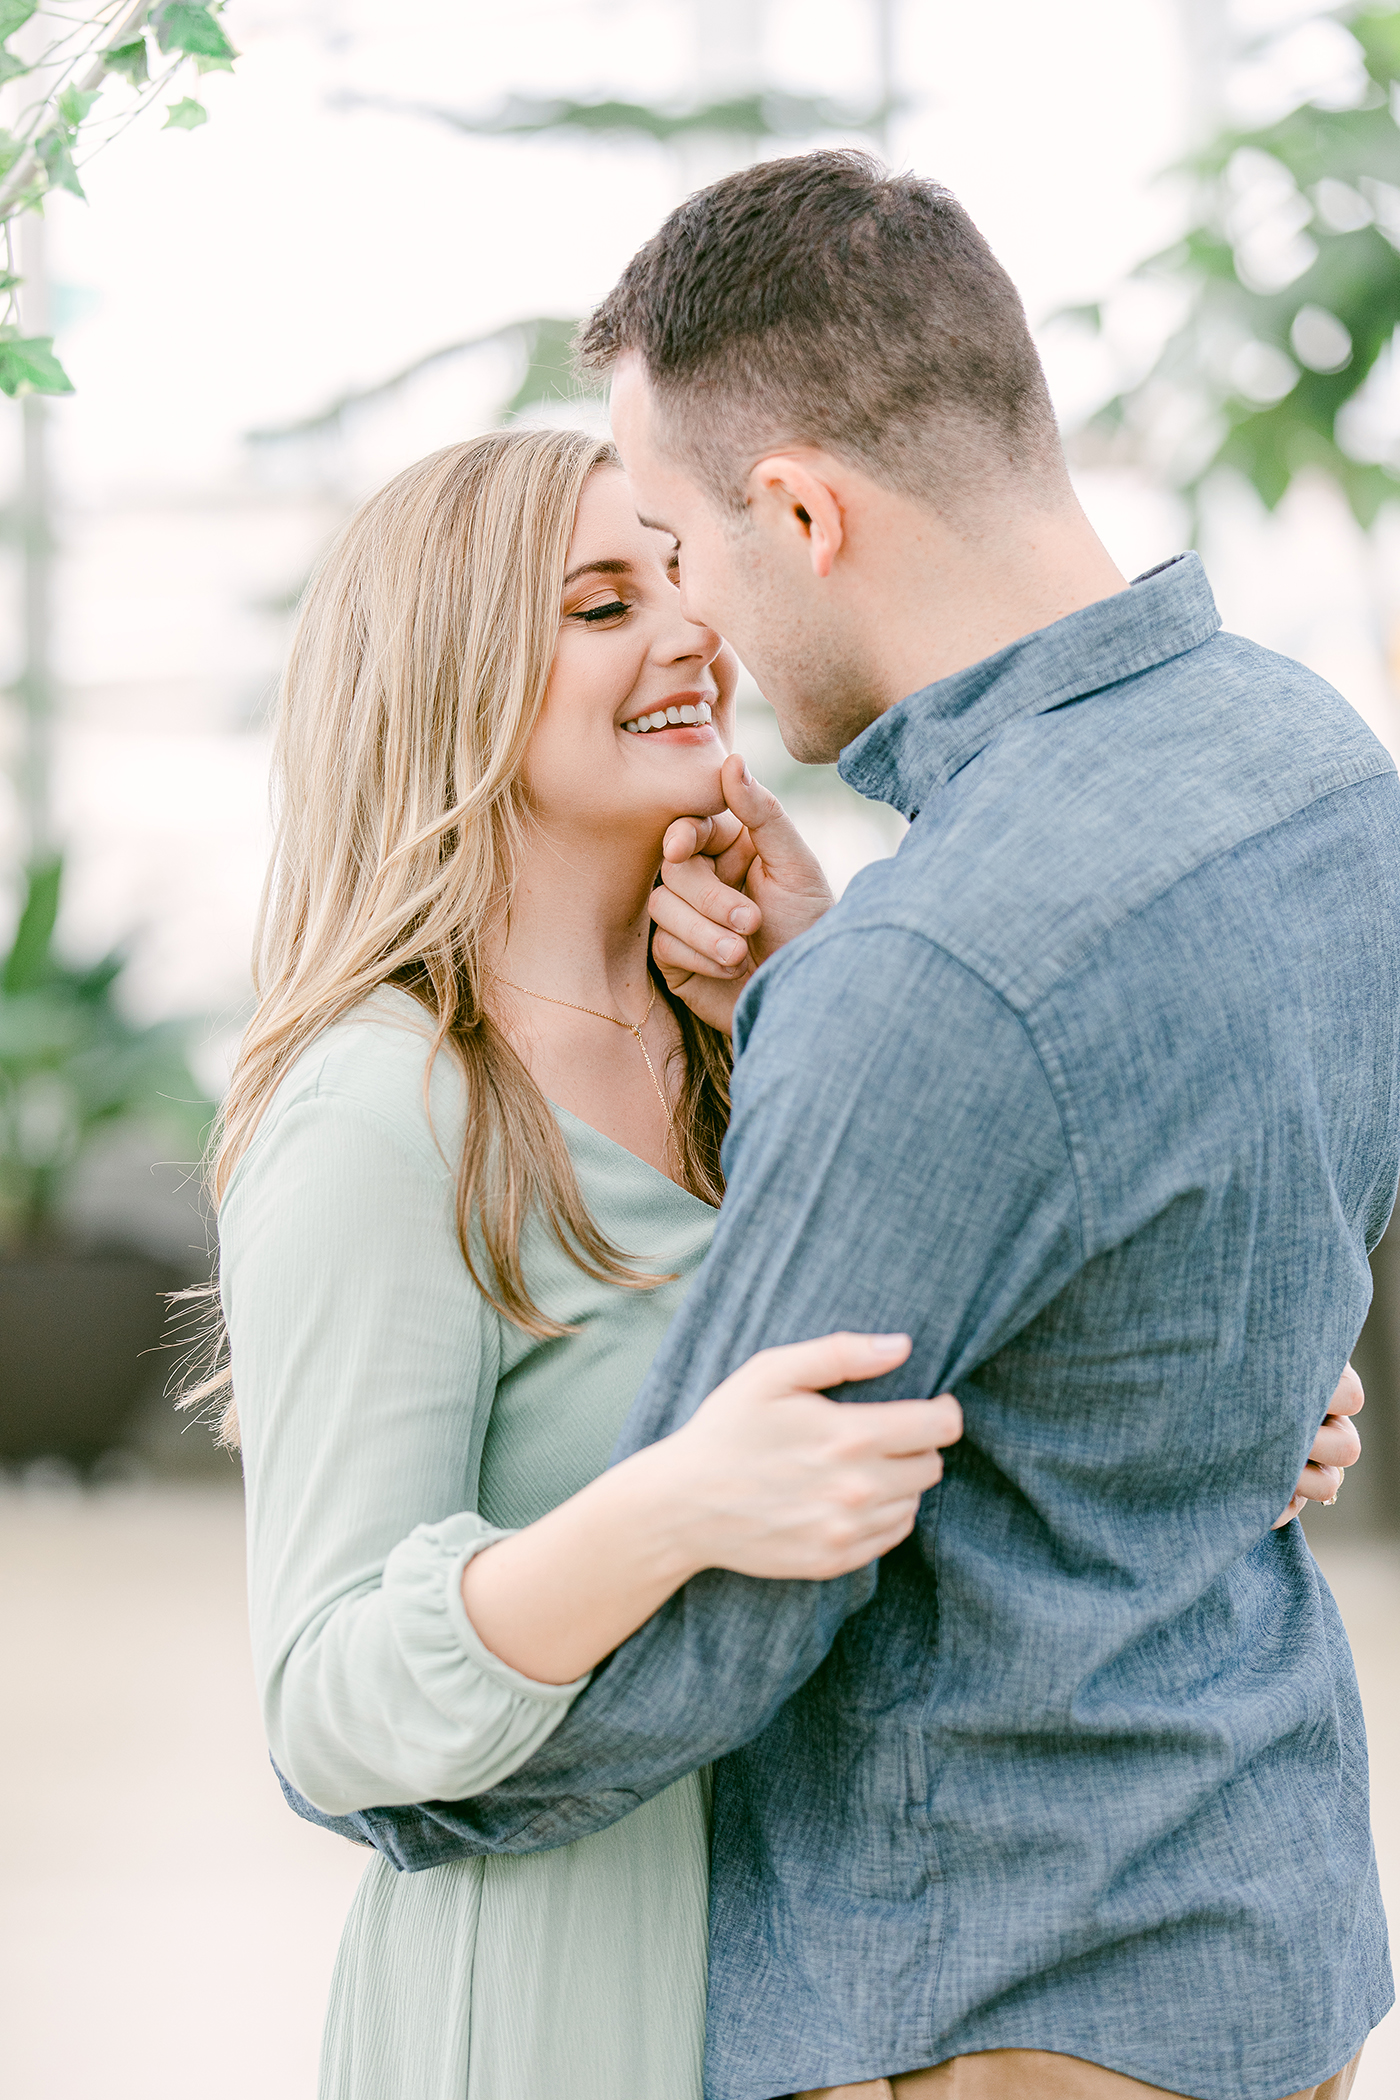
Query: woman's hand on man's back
point(769, 1477)
point(1335, 1447)
point(778, 1480)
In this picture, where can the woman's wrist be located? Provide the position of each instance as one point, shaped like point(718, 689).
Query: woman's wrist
point(554, 1599)
point(658, 1503)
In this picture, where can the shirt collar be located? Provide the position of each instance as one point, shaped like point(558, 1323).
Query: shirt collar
point(916, 747)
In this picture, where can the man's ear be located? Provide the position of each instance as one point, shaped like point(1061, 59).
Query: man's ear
point(792, 495)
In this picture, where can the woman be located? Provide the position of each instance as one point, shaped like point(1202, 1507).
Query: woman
point(468, 1162)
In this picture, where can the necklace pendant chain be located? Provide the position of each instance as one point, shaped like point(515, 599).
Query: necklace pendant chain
point(633, 1028)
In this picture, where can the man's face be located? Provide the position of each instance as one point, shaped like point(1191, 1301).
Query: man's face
point(749, 577)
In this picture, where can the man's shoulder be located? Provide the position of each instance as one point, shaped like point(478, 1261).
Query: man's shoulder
point(1073, 821)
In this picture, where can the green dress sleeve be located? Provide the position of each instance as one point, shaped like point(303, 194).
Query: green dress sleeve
point(365, 1364)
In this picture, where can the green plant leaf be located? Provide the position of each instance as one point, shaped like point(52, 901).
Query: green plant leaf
point(72, 1064)
point(1379, 38)
point(9, 281)
point(187, 115)
point(10, 151)
point(753, 116)
point(74, 104)
point(92, 986)
point(1090, 316)
point(1200, 383)
point(28, 365)
point(130, 60)
point(183, 25)
point(13, 15)
point(213, 65)
point(549, 373)
point(37, 1029)
point(56, 157)
point(11, 68)
point(28, 959)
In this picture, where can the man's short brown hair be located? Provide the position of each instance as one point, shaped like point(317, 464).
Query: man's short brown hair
point(821, 300)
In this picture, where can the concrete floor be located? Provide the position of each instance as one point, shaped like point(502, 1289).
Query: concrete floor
point(167, 1929)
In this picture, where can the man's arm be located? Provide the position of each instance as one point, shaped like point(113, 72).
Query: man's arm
point(749, 871)
point(895, 1161)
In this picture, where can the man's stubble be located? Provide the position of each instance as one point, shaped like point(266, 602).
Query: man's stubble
point(811, 669)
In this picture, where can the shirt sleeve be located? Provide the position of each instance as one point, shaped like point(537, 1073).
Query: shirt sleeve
point(896, 1161)
point(364, 1368)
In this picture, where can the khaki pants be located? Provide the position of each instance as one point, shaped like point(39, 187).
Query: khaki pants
point(1031, 2074)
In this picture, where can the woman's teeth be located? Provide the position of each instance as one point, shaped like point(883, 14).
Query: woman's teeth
point(668, 718)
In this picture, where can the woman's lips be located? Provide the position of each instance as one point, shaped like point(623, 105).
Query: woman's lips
point(697, 717)
point(697, 733)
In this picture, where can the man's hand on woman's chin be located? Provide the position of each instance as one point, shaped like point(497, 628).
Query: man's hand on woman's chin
point(734, 889)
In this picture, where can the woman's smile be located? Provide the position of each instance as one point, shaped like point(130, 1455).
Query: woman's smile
point(682, 718)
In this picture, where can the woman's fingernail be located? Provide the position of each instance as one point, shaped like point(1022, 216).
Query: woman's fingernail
point(748, 776)
point(742, 916)
point(887, 1344)
point(729, 951)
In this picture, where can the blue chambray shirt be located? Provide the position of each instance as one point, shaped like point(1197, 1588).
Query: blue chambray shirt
point(1095, 1089)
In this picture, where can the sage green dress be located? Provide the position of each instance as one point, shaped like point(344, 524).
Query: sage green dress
point(392, 1424)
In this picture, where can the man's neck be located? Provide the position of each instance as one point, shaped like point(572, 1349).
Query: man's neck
point(961, 588)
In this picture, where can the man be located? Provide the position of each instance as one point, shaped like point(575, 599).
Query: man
point(1095, 1090)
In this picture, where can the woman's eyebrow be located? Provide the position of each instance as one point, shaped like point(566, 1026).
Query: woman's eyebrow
point(598, 568)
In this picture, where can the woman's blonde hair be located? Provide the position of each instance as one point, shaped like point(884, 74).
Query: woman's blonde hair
point(416, 677)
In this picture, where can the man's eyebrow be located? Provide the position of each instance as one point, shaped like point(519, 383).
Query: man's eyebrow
point(598, 568)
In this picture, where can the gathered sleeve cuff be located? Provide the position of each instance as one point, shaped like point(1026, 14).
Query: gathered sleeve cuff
point(444, 1718)
point(448, 1658)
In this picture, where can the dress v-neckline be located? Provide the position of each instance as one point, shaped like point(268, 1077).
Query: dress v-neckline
point(567, 1116)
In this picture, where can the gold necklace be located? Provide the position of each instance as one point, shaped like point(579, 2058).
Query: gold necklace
point(633, 1027)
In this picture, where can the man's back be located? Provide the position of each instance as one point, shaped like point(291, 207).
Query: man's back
point(1100, 1718)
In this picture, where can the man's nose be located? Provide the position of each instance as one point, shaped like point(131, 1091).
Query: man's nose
point(691, 639)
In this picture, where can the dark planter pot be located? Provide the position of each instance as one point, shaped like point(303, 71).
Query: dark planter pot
point(77, 1327)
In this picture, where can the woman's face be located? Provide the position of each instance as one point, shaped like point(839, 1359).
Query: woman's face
point(639, 712)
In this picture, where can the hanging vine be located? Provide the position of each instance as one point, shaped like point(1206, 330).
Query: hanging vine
point(81, 77)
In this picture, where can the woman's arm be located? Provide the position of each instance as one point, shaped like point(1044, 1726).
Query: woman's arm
point(365, 1363)
point(767, 1478)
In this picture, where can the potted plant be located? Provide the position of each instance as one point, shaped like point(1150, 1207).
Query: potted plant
point(76, 1319)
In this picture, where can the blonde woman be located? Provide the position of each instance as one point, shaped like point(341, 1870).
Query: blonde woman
point(469, 1159)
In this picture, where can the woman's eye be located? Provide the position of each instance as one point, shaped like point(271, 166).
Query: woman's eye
point(598, 613)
